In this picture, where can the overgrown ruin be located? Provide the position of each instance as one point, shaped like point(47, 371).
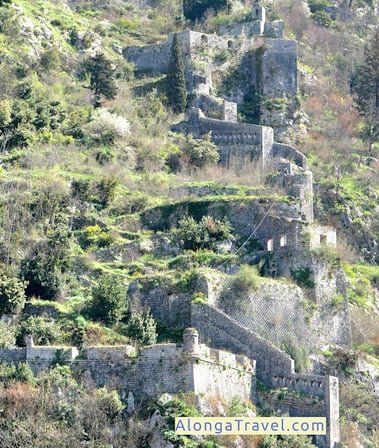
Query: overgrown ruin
point(232, 354)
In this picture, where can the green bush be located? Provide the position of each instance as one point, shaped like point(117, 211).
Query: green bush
point(327, 254)
point(323, 18)
point(7, 336)
point(106, 191)
point(95, 236)
point(24, 374)
point(11, 372)
point(110, 403)
point(192, 235)
point(43, 277)
point(200, 152)
point(109, 303)
point(344, 360)
point(195, 9)
point(44, 331)
point(100, 193)
point(12, 294)
point(142, 327)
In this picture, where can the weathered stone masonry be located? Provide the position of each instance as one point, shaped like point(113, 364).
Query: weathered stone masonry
point(274, 368)
point(157, 369)
point(194, 367)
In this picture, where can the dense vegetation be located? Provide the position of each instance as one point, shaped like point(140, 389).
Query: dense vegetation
point(86, 148)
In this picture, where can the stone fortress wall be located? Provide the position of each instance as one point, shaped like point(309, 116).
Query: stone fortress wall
point(275, 369)
point(197, 367)
point(157, 369)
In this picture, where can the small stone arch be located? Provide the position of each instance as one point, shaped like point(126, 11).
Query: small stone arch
point(204, 39)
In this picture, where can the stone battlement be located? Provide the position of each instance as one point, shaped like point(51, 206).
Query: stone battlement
point(193, 367)
point(155, 369)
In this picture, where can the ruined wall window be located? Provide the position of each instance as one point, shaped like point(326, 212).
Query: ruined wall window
point(270, 245)
point(283, 240)
point(323, 239)
point(230, 45)
point(204, 39)
point(256, 12)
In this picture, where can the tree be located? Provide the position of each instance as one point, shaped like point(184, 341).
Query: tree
point(102, 78)
point(175, 79)
point(365, 86)
point(109, 299)
point(5, 2)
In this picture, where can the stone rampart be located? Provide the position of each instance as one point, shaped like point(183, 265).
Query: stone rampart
point(219, 330)
point(310, 384)
point(289, 153)
point(161, 368)
point(12, 355)
point(48, 354)
point(319, 395)
point(248, 142)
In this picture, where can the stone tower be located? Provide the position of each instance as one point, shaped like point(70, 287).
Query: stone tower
point(191, 340)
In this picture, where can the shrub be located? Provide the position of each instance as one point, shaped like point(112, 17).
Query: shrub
point(200, 152)
point(110, 403)
point(24, 374)
point(192, 235)
point(50, 59)
point(195, 9)
point(199, 298)
point(142, 327)
point(7, 336)
point(44, 331)
point(105, 154)
point(105, 128)
point(21, 372)
point(106, 191)
point(43, 277)
point(109, 299)
point(99, 193)
point(327, 254)
point(12, 294)
point(323, 18)
point(236, 293)
point(344, 360)
point(95, 236)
